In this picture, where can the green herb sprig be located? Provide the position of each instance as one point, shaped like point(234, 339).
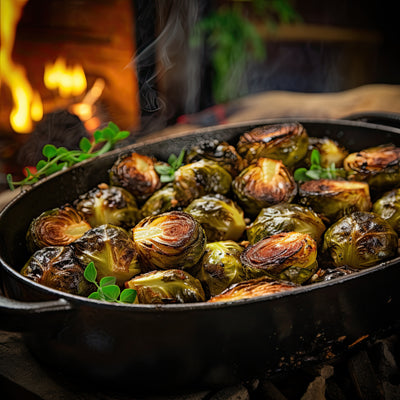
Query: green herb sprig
point(167, 172)
point(316, 171)
point(107, 290)
point(58, 158)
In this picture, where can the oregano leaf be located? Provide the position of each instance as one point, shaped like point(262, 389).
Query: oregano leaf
point(128, 296)
point(90, 272)
point(111, 292)
point(107, 280)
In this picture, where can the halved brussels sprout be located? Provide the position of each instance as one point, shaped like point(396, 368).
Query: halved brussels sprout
point(166, 287)
point(331, 152)
point(135, 173)
point(378, 166)
point(262, 184)
point(221, 152)
point(220, 217)
point(285, 217)
point(199, 178)
point(112, 251)
point(161, 201)
point(108, 205)
point(285, 142)
point(258, 287)
point(388, 208)
point(335, 198)
point(58, 267)
point(172, 240)
point(290, 256)
point(360, 240)
point(56, 227)
point(220, 266)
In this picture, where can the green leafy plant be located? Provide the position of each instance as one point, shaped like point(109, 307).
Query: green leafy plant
point(316, 171)
point(167, 171)
point(107, 290)
point(58, 158)
point(232, 37)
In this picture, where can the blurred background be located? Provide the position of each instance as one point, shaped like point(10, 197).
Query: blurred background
point(69, 67)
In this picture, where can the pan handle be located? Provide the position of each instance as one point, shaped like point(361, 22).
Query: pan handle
point(20, 316)
point(379, 117)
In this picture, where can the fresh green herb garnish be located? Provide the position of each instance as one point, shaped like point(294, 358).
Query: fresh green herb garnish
point(107, 290)
point(316, 171)
point(58, 158)
point(167, 172)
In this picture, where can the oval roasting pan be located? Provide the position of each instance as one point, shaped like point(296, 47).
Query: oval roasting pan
point(187, 346)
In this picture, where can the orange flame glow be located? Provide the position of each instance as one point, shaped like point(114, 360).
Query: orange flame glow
point(27, 104)
point(70, 81)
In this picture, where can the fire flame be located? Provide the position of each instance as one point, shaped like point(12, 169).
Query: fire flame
point(70, 81)
point(27, 103)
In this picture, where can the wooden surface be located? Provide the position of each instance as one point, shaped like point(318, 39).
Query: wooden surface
point(281, 104)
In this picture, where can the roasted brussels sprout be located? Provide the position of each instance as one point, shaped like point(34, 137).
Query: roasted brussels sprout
point(221, 152)
point(199, 178)
point(378, 166)
point(172, 240)
point(359, 240)
point(220, 217)
point(112, 251)
point(220, 266)
point(262, 184)
point(335, 198)
point(56, 227)
point(108, 205)
point(58, 267)
point(331, 152)
point(285, 217)
point(286, 142)
point(166, 287)
point(388, 208)
point(290, 256)
point(161, 201)
point(263, 286)
point(135, 173)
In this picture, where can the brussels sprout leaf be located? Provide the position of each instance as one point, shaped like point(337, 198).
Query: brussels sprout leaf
point(316, 171)
point(167, 171)
point(107, 290)
point(60, 158)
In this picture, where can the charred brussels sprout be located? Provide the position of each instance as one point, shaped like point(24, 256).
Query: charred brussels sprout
point(199, 178)
point(135, 173)
point(259, 287)
point(290, 256)
point(58, 267)
point(285, 142)
point(108, 205)
point(220, 266)
point(263, 184)
point(56, 227)
point(161, 201)
point(331, 152)
point(112, 251)
point(378, 166)
point(285, 217)
point(360, 240)
point(335, 198)
point(172, 240)
point(166, 287)
point(221, 152)
point(220, 217)
point(388, 208)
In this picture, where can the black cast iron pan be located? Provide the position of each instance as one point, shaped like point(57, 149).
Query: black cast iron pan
point(203, 345)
